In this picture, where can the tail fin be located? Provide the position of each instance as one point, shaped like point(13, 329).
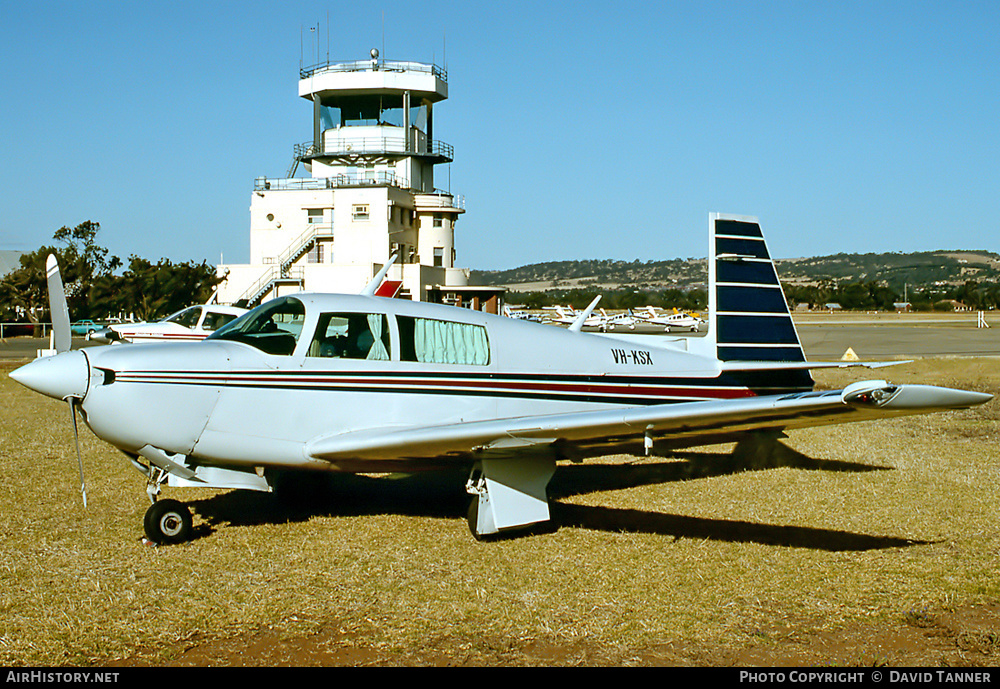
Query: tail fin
point(749, 319)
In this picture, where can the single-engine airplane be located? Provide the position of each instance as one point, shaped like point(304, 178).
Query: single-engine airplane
point(625, 320)
point(358, 383)
point(568, 315)
point(677, 319)
point(191, 324)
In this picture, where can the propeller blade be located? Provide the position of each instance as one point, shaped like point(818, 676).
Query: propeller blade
point(79, 458)
point(57, 306)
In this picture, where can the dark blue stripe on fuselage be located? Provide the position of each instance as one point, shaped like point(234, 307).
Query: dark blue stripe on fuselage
point(758, 382)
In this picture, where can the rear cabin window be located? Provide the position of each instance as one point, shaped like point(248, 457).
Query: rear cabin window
point(442, 342)
point(351, 336)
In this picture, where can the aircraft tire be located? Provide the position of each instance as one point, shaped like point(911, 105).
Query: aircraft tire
point(167, 521)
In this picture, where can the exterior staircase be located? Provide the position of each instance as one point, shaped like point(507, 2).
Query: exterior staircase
point(283, 271)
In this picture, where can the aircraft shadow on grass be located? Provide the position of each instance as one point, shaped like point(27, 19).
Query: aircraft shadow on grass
point(442, 495)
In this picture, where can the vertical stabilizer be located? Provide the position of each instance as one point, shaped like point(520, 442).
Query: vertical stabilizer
point(749, 317)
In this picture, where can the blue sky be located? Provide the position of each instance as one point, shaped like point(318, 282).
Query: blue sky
point(581, 130)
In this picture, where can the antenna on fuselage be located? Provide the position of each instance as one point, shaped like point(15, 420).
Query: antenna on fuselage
point(376, 281)
point(582, 318)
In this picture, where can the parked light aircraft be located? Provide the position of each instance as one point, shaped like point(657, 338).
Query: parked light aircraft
point(618, 320)
point(567, 315)
point(520, 314)
point(358, 383)
point(192, 324)
point(677, 319)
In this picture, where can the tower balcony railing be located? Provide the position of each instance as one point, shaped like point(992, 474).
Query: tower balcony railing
point(441, 199)
point(372, 66)
point(334, 182)
point(367, 145)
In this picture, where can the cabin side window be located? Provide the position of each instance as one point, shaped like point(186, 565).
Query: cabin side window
point(188, 317)
point(351, 336)
point(442, 342)
point(214, 321)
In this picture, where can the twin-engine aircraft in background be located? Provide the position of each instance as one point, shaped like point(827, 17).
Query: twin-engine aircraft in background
point(358, 383)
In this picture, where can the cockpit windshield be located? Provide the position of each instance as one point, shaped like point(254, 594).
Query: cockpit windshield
point(273, 327)
point(187, 317)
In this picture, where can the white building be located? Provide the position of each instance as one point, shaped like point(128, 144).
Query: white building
point(370, 194)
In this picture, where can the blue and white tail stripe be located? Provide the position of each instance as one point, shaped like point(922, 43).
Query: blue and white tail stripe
point(750, 319)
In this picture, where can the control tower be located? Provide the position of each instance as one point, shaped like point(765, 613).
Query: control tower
point(370, 193)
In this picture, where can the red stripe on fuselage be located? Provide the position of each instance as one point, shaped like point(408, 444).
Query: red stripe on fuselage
point(486, 384)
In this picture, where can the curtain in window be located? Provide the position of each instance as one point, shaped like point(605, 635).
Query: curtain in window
point(440, 342)
point(376, 325)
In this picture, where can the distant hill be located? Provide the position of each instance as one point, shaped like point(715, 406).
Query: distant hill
point(894, 270)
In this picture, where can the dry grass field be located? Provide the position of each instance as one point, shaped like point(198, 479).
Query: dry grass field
point(872, 544)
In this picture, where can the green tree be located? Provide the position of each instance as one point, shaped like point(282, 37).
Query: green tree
point(24, 292)
point(93, 290)
point(82, 241)
point(155, 290)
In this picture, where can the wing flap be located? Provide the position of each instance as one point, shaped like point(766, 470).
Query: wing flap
point(685, 424)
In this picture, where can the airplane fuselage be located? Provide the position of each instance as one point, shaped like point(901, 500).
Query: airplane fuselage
point(366, 383)
point(229, 402)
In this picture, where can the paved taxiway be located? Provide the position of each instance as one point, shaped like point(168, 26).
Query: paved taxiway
point(880, 336)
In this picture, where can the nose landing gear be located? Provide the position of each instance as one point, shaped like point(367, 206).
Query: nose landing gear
point(167, 521)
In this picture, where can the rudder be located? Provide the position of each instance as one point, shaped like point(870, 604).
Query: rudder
point(749, 319)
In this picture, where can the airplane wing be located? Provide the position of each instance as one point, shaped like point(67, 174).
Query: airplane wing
point(672, 426)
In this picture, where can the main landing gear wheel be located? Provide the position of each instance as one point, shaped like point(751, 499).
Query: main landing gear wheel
point(167, 521)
